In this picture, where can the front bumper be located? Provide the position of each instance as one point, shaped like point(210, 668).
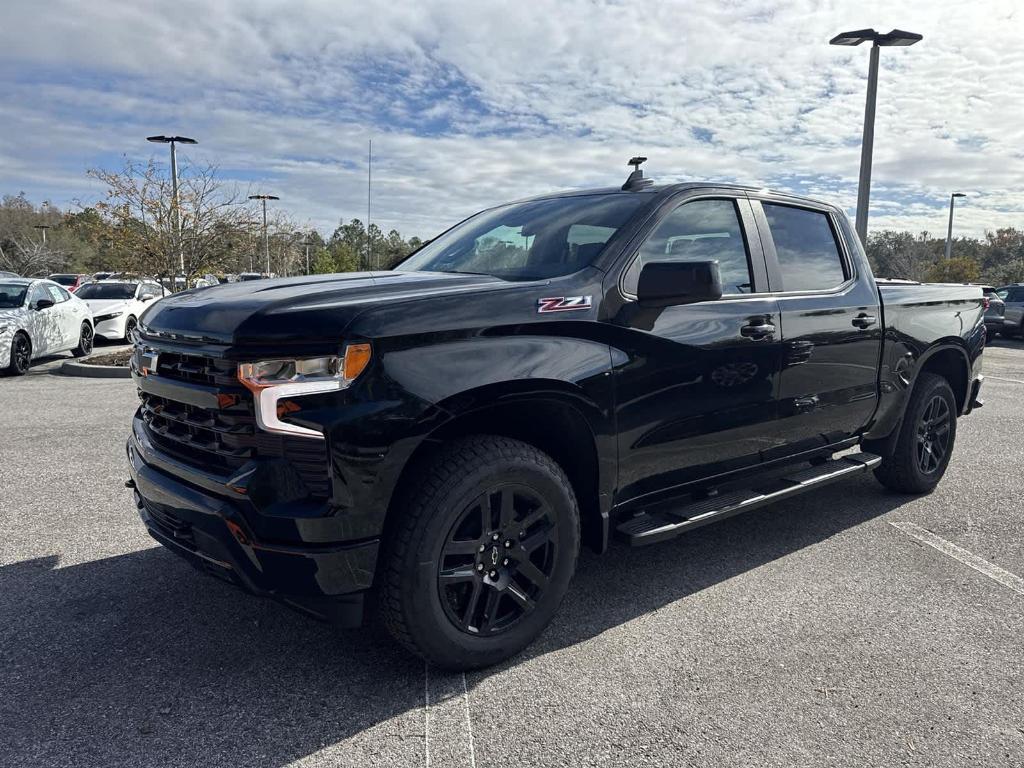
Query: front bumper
point(111, 329)
point(215, 533)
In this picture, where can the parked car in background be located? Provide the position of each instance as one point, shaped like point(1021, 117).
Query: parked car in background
point(104, 275)
point(246, 276)
point(9, 274)
point(1012, 297)
point(993, 312)
point(39, 317)
point(70, 282)
point(117, 304)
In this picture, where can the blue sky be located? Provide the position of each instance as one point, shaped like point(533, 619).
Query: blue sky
point(472, 103)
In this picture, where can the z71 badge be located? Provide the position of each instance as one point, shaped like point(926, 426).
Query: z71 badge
point(563, 304)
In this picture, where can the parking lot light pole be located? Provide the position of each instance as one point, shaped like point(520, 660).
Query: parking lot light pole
point(895, 37)
point(949, 231)
point(266, 240)
point(175, 215)
point(306, 243)
point(42, 229)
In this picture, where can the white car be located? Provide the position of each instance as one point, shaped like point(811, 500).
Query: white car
point(117, 304)
point(39, 317)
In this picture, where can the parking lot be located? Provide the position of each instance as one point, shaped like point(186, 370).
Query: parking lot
point(818, 632)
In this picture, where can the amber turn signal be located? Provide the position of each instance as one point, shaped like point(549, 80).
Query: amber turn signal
point(357, 357)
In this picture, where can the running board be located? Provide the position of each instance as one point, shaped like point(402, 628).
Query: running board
point(666, 521)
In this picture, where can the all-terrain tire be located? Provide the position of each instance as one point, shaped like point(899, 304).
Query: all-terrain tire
point(926, 438)
point(446, 493)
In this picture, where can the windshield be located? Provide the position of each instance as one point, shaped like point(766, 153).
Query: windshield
point(107, 291)
point(529, 241)
point(64, 279)
point(12, 295)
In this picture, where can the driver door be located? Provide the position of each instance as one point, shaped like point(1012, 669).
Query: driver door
point(697, 395)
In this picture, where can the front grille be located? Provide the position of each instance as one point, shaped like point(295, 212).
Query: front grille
point(225, 439)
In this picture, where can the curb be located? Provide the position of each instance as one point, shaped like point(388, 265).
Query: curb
point(73, 368)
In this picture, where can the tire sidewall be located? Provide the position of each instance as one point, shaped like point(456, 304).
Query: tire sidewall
point(935, 386)
point(13, 368)
point(440, 639)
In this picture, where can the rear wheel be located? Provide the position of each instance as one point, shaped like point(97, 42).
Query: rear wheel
point(21, 354)
point(926, 438)
point(482, 554)
point(85, 341)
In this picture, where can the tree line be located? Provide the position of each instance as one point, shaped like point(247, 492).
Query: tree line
point(131, 229)
point(995, 259)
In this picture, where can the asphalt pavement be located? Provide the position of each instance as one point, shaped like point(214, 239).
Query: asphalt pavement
point(813, 633)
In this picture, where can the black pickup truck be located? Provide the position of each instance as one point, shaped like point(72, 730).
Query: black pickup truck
point(436, 441)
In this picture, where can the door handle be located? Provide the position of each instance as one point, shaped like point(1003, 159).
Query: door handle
point(757, 331)
point(863, 320)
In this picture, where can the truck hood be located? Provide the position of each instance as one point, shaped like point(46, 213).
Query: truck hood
point(294, 310)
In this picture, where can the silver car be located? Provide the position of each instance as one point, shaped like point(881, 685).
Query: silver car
point(1013, 309)
point(39, 317)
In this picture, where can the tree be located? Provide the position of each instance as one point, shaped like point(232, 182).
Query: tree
point(215, 220)
point(959, 269)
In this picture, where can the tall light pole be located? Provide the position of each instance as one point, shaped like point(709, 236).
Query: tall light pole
point(949, 231)
point(175, 215)
point(42, 228)
point(266, 240)
point(895, 37)
point(307, 242)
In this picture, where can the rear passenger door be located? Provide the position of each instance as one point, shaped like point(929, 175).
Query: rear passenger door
point(831, 324)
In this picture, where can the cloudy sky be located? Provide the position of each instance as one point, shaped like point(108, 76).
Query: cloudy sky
point(472, 103)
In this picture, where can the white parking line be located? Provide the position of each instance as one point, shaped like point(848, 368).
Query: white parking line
point(1002, 378)
point(971, 560)
point(447, 726)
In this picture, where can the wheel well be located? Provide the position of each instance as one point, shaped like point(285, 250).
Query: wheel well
point(558, 429)
point(951, 365)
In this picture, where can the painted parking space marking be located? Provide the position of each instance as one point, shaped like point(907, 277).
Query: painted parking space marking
point(447, 726)
point(971, 560)
point(1003, 378)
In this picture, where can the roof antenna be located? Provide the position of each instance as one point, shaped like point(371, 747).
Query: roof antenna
point(636, 179)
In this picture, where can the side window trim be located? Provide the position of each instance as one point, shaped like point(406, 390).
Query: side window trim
point(772, 257)
point(748, 228)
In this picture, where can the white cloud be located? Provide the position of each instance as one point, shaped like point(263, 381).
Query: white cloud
point(473, 103)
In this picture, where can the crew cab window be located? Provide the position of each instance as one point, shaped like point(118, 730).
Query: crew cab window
point(809, 257)
point(701, 230)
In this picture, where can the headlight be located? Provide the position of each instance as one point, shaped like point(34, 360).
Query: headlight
point(108, 316)
point(272, 380)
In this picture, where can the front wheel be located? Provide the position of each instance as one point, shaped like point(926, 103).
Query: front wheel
point(130, 326)
point(926, 438)
point(482, 554)
point(21, 354)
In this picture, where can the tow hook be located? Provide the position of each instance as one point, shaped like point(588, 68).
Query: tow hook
point(129, 483)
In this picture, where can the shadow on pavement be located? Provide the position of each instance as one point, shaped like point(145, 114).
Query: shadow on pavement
point(139, 660)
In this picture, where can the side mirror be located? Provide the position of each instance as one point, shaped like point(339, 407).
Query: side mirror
point(670, 283)
point(43, 304)
point(147, 297)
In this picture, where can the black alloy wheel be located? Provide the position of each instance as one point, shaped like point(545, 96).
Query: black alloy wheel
point(85, 341)
point(130, 326)
point(21, 354)
point(497, 560)
point(933, 435)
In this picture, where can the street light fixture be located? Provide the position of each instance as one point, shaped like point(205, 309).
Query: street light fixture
point(42, 228)
point(896, 37)
point(949, 232)
point(173, 140)
point(266, 240)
